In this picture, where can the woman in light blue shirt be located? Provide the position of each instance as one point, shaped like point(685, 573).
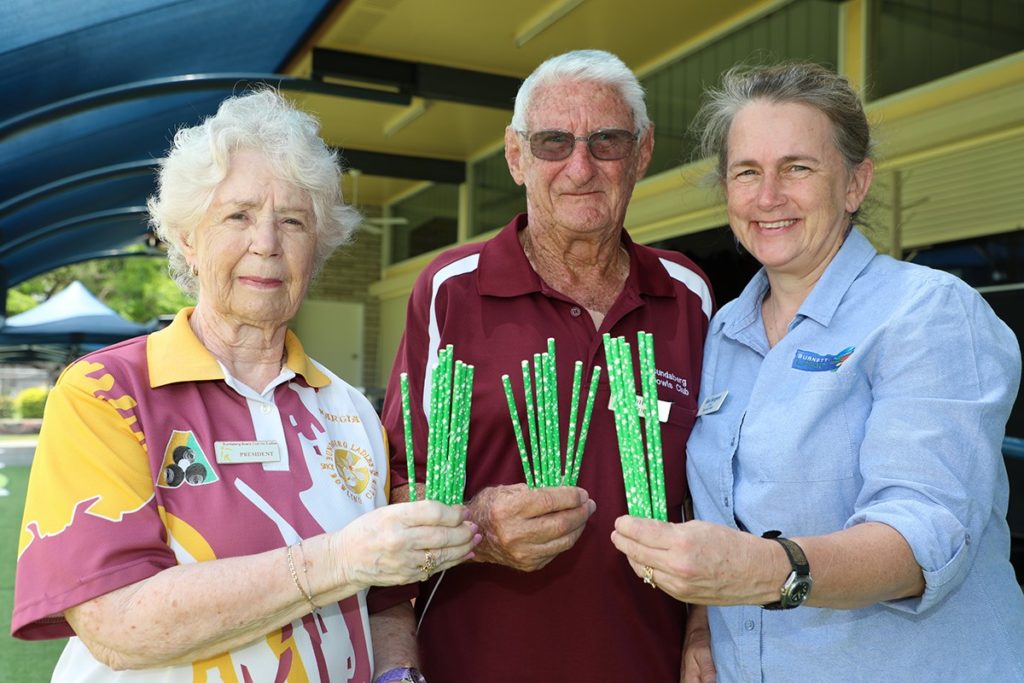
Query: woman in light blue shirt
point(846, 460)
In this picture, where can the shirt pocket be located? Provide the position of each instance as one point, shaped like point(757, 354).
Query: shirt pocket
point(674, 433)
point(806, 436)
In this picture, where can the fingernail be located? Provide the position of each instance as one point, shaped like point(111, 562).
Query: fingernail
point(477, 538)
point(474, 527)
point(469, 556)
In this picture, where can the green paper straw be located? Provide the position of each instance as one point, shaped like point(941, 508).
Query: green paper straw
point(555, 439)
point(433, 460)
point(635, 435)
point(614, 375)
point(570, 433)
point(410, 461)
point(464, 413)
point(655, 466)
point(531, 423)
point(454, 426)
point(520, 443)
point(585, 426)
point(541, 397)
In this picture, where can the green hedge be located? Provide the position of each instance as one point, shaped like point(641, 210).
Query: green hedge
point(29, 403)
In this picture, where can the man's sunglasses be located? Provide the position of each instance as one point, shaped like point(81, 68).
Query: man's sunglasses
point(607, 144)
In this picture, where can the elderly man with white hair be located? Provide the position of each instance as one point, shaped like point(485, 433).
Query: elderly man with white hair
point(547, 597)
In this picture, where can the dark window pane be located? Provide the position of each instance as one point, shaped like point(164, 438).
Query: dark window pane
point(802, 30)
point(431, 221)
point(496, 197)
point(726, 264)
point(918, 41)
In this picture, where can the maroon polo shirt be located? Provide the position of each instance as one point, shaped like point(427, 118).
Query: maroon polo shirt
point(585, 616)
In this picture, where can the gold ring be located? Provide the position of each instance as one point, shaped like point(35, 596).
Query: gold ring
point(649, 576)
point(429, 564)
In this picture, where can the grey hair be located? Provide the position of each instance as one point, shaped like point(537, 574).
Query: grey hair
point(197, 162)
point(794, 82)
point(584, 65)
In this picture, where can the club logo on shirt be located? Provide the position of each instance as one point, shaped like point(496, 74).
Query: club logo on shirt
point(815, 362)
point(185, 463)
point(672, 381)
point(352, 468)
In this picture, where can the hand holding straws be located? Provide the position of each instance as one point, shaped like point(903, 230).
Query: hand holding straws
point(644, 479)
point(549, 468)
point(451, 396)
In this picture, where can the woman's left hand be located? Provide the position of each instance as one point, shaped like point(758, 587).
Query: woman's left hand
point(699, 562)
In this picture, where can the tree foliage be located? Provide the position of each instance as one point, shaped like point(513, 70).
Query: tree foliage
point(137, 287)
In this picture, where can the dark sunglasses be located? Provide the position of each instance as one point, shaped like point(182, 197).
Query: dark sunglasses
point(607, 144)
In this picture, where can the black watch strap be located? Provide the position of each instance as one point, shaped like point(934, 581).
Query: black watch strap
point(801, 570)
point(797, 559)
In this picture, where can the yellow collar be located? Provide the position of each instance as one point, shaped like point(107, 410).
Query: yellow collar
point(174, 354)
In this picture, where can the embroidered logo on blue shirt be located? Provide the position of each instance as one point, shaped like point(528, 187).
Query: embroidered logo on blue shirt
point(815, 362)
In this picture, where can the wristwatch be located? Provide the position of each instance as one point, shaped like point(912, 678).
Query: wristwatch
point(402, 674)
point(798, 584)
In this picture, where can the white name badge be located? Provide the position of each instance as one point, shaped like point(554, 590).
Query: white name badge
point(663, 408)
point(712, 403)
point(239, 452)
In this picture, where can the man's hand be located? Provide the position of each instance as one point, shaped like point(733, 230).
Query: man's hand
point(526, 528)
point(698, 664)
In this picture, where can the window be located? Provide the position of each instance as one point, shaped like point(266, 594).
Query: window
point(802, 30)
point(918, 41)
point(431, 221)
point(496, 197)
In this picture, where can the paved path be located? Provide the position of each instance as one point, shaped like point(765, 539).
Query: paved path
point(17, 452)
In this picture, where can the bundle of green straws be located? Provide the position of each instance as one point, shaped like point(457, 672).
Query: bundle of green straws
point(451, 395)
point(644, 477)
point(549, 468)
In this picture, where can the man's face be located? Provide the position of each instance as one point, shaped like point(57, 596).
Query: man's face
point(580, 193)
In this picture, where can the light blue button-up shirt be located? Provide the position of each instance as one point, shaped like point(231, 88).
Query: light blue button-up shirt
point(886, 401)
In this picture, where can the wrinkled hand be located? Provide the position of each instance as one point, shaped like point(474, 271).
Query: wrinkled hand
point(698, 664)
point(526, 528)
point(699, 562)
point(387, 547)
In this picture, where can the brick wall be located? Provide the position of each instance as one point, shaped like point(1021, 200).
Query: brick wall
point(347, 276)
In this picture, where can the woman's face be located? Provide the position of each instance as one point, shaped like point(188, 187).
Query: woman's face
point(254, 247)
point(788, 191)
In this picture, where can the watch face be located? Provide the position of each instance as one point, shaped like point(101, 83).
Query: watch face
point(800, 591)
point(796, 590)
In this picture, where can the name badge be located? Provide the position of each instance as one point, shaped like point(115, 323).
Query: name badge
point(240, 452)
point(712, 403)
point(663, 408)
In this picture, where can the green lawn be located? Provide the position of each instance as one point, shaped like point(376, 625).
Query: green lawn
point(24, 662)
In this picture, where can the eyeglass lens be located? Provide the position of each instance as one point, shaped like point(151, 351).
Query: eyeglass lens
point(608, 145)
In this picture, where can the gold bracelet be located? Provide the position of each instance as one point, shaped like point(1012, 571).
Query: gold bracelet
point(295, 578)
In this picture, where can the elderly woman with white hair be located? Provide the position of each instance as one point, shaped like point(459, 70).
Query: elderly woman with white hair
point(208, 502)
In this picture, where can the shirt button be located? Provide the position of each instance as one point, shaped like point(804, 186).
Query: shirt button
point(265, 409)
point(749, 624)
point(575, 311)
